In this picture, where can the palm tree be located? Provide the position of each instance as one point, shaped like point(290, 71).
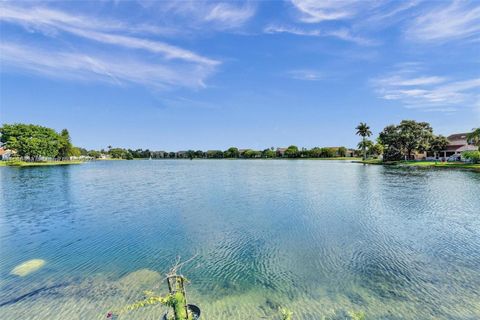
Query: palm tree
point(363, 130)
point(474, 137)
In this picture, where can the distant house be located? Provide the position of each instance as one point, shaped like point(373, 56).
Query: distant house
point(5, 154)
point(350, 153)
point(458, 143)
point(159, 154)
point(181, 154)
point(281, 152)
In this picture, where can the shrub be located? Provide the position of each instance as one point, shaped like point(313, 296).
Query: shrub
point(473, 156)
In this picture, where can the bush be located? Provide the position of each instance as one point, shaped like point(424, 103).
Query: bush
point(473, 156)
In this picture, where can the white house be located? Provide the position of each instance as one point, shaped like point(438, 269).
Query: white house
point(5, 154)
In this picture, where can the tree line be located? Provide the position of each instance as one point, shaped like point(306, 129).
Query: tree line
point(34, 142)
point(395, 142)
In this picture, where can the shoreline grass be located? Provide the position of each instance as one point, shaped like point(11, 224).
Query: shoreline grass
point(16, 163)
point(425, 164)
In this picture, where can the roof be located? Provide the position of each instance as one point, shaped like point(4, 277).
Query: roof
point(457, 136)
point(282, 149)
point(453, 147)
point(5, 151)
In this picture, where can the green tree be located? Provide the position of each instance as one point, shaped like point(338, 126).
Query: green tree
point(315, 152)
point(30, 140)
point(65, 145)
point(342, 152)
point(363, 130)
point(269, 153)
point(438, 144)
point(292, 152)
point(94, 154)
point(366, 146)
point(328, 152)
point(119, 153)
point(232, 152)
point(473, 156)
point(474, 137)
point(390, 139)
point(249, 154)
point(415, 136)
point(376, 149)
point(75, 152)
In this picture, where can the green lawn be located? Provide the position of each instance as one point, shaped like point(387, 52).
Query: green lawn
point(426, 164)
point(16, 163)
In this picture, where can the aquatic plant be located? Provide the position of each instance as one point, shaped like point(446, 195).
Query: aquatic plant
point(176, 298)
point(286, 314)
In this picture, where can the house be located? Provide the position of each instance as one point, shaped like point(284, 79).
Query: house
point(5, 154)
point(350, 153)
point(458, 143)
point(181, 154)
point(281, 152)
point(159, 154)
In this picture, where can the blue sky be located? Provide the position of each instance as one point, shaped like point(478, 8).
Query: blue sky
point(210, 75)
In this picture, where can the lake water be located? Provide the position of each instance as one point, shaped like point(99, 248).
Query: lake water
point(322, 238)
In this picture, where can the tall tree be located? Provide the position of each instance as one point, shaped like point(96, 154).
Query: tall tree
point(415, 136)
point(292, 152)
point(65, 145)
point(474, 137)
point(232, 152)
point(363, 130)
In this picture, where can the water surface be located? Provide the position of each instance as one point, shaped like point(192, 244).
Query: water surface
point(320, 237)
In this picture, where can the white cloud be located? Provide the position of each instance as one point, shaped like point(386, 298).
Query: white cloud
point(117, 70)
point(206, 14)
point(230, 16)
point(342, 34)
point(54, 21)
point(457, 20)
point(314, 11)
point(169, 66)
point(427, 92)
point(305, 74)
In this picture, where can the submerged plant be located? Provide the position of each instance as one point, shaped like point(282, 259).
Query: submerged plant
point(357, 315)
point(286, 314)
point(176, 299)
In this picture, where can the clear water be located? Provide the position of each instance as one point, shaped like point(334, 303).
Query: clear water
point(320, 237)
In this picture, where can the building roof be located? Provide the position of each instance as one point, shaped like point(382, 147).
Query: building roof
point(5, 151)
point(457, 136)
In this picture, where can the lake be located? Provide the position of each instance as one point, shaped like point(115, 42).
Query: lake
point(323, 238)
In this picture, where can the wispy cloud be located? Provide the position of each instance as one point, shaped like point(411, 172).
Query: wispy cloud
point(427, 92)
point(168, 66)
point(341, 33)
point(202, 14)
point(306, 74)
point(229, 15)
point(445, 22)
point(52, 21)
point(313, 11)
point(117, 70)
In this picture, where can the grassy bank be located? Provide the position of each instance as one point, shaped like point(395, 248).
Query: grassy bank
point(17, 163)
point(425, 164)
